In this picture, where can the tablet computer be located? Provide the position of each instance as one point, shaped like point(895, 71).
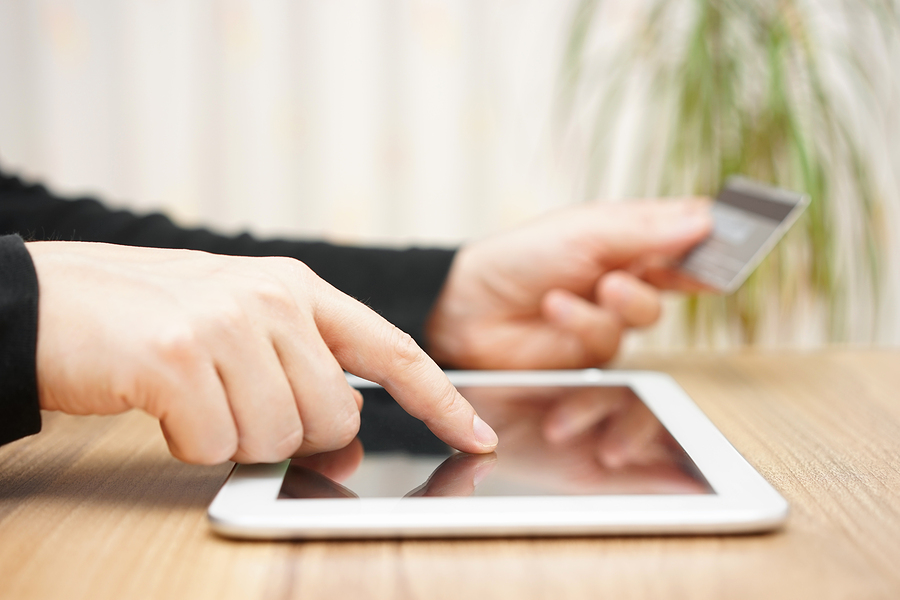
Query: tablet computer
point(586, 452)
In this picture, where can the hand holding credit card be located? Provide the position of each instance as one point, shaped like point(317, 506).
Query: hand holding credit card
point(750, 218)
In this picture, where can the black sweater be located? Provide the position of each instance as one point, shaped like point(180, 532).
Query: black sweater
point(400, 284)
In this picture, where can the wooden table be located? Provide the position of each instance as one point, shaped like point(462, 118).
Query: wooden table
point(95, 508)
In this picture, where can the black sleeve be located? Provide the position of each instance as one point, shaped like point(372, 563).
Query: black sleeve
point(19, 411)
point(401, 285)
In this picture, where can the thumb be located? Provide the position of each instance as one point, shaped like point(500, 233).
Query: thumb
point(651, 228)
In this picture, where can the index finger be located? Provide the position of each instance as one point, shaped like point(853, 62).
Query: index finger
point(367, 345)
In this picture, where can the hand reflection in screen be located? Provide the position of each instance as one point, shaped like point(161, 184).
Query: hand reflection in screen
point(578, 440)
point(459, 475)
point(317, 476)
point(584, 440)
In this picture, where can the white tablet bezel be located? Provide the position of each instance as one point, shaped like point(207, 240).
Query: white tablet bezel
point(247, 506)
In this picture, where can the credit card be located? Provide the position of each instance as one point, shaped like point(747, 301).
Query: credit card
point(749, 219)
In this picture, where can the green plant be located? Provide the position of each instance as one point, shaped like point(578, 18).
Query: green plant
point(760, 88)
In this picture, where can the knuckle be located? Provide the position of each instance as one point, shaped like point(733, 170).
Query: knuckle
point(204, 455)
point(287, 275)
point(212, 457)
point(290, 268)
point(289, 444)
point(346, 429)
point(275, 295)
point(264, 450)
point(183, 456)
point(406, 353)
point(444, 405)
point(227, 316)
point(284, 263)
point(252, 452)
point(193, 329)
point(177, 345)
point(337, 429)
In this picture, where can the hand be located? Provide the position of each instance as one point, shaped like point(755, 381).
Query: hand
point(559, 293)
point(630, 432)
point(237, 357)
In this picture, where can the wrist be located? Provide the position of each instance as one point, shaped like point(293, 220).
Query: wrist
point(446, 332)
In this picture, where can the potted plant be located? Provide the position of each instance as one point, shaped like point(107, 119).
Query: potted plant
point(796, 94)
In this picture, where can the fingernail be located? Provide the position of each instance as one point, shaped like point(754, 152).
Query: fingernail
point(484, 435)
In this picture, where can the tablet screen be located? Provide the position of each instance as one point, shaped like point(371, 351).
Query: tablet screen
point(587, 440)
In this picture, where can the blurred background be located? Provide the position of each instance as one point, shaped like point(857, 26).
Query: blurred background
point(437, 121)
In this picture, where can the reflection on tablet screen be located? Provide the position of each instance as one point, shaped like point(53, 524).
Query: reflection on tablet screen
point(591, 440)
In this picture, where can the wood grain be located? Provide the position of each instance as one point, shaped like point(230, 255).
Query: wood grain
point(95, 508)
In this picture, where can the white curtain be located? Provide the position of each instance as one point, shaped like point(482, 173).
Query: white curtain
point(394, 121)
